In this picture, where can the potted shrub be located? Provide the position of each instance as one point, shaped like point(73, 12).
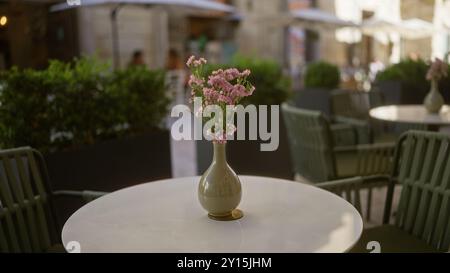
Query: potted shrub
point(404, 83)
point(24, 109)
point(98, 129)
point(320, 79)
point(272, 88)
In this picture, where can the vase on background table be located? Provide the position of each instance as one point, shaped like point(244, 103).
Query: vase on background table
point(219, 190)
point(434, 101)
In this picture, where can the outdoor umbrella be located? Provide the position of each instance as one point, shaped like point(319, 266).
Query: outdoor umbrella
point(374, 25)
point(408, 29)
point(316, 17)
point(310, 18)
point(416, 29)
point(117, 4)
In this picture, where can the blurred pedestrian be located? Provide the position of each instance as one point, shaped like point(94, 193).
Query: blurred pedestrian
point(173, 60)
point(137, 59)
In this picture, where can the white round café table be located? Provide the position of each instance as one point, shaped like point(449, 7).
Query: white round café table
point(416, 114)
point(165, 216)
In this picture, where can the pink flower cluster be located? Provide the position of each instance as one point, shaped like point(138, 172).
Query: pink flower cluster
point(222, 87)
point(226, 87)
point(438, 70)
point(192, 62)
point(194, 81)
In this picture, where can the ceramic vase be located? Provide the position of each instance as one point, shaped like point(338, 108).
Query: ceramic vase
point(434, 101)
point(219, 190)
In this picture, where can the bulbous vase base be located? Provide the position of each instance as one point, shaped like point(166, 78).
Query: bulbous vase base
point(434, 101)
point(233, 215)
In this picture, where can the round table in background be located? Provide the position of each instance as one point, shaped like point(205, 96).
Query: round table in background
point(413, 114)
point(165, 216)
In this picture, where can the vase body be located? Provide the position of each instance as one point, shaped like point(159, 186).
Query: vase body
point(219, 190)
point(434, 101)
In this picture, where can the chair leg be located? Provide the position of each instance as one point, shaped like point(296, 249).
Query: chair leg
point(369, 204)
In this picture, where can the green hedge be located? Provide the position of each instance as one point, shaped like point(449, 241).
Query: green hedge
point(411, 73)
point(69, 105)
point(322, 75)
point(272, 87)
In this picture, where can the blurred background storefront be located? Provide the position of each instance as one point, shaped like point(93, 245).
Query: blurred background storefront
point(30, 34)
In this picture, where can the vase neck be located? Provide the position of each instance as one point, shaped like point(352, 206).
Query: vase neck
point(220, 155)
point(434, 85)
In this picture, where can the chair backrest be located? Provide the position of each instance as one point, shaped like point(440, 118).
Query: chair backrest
point(354, 104)
point(422, 167)
point(26, 221)
point(311, 143)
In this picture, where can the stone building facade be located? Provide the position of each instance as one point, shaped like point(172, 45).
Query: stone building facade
point(433, 11)
point(138, 29)
point(330, 49)
point(257, 36)
point(153, 30)
point(34, 34)
point(422, 9)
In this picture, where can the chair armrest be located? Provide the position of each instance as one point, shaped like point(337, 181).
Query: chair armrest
point(87, 196)
point(350, 189)
point(344, 134)
point(371, 159)
point(362, 182)
point(366, 148)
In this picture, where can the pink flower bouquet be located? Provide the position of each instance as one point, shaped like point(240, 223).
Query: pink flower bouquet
point(437, 71)
point(221, 88)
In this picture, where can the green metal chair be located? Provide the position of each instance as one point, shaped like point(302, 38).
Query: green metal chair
point(317, 156)
point(318, 153)
point(27, 215)
point(422, 218)
point(352, 107)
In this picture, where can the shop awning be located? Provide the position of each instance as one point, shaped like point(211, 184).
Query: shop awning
point(196, 4)
point(407, 29)
point(320, 17)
